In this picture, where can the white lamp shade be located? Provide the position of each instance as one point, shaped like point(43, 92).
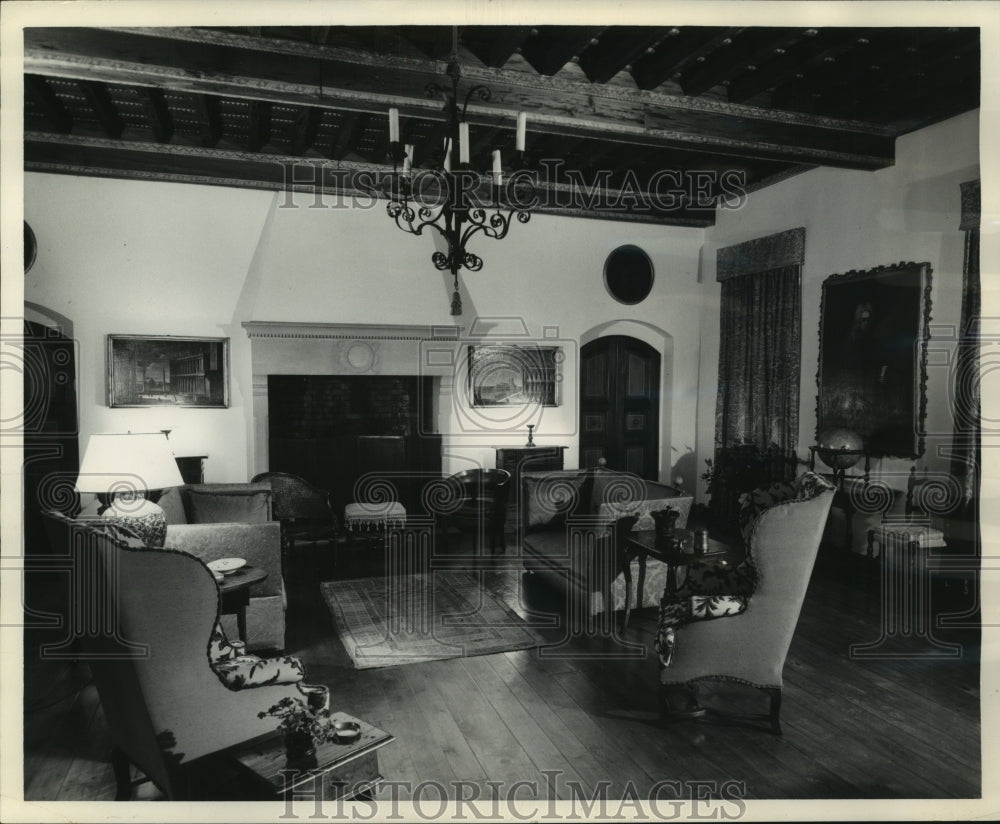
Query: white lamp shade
point(121, 463)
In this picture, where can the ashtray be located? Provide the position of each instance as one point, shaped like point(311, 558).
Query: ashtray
point(346, 731)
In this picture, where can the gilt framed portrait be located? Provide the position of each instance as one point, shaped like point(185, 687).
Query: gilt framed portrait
point(514, 375)
point(167, 371)
point(873, 357)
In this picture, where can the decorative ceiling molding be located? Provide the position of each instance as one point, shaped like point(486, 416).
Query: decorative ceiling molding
point(573, 109)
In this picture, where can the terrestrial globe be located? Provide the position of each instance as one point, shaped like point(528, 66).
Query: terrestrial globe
point(840, 448)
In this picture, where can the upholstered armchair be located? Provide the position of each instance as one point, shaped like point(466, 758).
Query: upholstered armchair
point(782, 536)
point(166, 704)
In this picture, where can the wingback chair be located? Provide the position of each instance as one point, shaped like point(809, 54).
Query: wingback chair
point(751, 647)
point(165, 704)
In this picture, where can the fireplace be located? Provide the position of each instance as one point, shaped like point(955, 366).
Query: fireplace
point(333, 401)
point(333, 429)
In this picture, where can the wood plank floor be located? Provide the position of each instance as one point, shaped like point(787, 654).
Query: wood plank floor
point(564, 723)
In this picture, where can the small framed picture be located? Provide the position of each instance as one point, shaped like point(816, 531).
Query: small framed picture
point(514, 375)
point(167, 371)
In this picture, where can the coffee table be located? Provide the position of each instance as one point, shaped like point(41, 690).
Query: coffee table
point(642, 543)
point(234, 594)
point(339, 771)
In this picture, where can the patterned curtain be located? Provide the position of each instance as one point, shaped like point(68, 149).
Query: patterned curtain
point(760, 360)
point(966, 441)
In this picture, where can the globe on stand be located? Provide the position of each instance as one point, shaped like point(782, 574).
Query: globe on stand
point(840, 449)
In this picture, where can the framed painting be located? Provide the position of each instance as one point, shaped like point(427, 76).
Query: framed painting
point(873, 357)
point(167, 371)
point(513, 375)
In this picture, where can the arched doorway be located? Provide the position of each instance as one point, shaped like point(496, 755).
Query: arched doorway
point(620, 405)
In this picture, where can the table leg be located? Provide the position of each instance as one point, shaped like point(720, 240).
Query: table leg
point(241, 622)
point(627, 574)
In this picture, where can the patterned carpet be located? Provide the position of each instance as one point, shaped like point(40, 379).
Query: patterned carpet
point(394, 620)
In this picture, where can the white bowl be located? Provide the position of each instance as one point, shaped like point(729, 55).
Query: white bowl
point(226, 565)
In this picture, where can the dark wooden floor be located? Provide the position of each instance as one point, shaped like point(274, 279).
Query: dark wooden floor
point(854, 728)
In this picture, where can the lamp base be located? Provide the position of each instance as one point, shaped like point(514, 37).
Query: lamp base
point(141, 517)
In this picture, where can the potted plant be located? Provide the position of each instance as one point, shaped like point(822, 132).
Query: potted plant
point(302, 727)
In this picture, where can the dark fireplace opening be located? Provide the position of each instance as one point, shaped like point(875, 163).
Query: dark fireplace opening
point(333, 429)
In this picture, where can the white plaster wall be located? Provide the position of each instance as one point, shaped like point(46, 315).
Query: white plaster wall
point(137, 257)
point(120, 257)
point(858, 220)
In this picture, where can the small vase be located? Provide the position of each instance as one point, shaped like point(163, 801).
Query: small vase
point(664, 523)
point(299, 747)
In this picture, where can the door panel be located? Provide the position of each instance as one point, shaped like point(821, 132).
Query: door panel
point(619, 405)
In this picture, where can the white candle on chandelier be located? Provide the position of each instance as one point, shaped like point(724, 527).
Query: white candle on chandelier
point(447, 155)
point(393, 125)
point(497, 173)
point(463, 142)
point(522, 126)
point(408, 158)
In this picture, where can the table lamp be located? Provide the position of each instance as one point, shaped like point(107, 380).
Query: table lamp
point(122, 468)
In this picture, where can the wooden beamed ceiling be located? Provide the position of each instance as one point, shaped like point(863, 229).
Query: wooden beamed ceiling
point(635, 108)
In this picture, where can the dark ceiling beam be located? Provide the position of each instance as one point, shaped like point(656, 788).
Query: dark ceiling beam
point(618, 47)
point(434, 41)
point(485, 139)
point(814, 48)
point(259, 125)
point(735, 56)
point(380, 145)
point(131, 160)
point(679, 48)
point(209, 111)
point(370, 83)
point(549, 48)
point(851, 69)
point(494, 45)
point(161, 122)
point(48, 101)
point(103, 107)
point(319, 34)
point(304, 131)
point(354, 124)
point(890, 79)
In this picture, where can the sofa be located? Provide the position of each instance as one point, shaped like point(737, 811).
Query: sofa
point(567, 537)
point(212, 521)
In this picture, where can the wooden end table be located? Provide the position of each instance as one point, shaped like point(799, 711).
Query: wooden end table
point(341, 771)
point(234, 594)
point(641, 543)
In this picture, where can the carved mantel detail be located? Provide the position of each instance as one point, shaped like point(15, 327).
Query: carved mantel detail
point(350, 331)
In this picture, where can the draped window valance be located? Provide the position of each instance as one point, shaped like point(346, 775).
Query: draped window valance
point(971, 205)
point(761, 254)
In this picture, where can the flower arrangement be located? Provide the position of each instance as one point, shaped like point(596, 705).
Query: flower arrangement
point(296, 718)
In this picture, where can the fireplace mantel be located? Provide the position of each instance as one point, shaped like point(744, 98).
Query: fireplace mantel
point(350, 331)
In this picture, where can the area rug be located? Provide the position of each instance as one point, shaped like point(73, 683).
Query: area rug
point(386, 622)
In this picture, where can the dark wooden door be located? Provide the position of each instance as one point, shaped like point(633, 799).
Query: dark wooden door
point(49, 426)
point(620, 405)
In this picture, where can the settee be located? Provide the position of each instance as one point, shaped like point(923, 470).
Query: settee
point(567, 536)
point(212, 521)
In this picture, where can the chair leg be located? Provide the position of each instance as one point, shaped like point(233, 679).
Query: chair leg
point(775, 716)
point(123, 775)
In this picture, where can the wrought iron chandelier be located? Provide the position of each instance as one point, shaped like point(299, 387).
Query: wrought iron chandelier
point(458, 202)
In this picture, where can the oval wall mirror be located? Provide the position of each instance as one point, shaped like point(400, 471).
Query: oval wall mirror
point(628, 274)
